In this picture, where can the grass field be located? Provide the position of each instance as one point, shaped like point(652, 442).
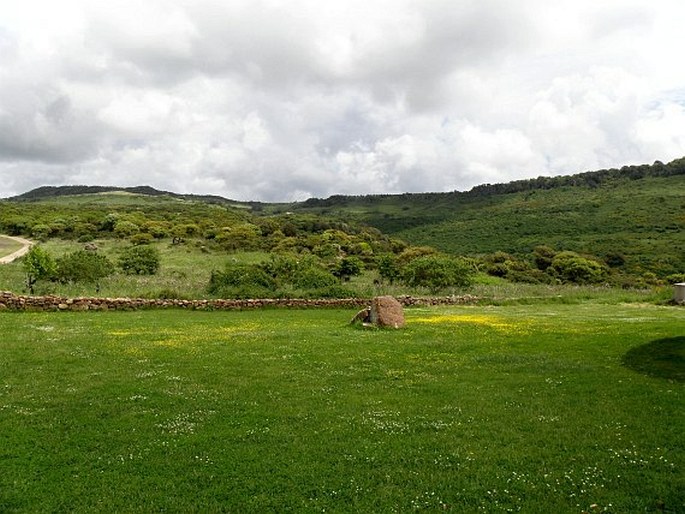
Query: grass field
point(8, 246)
point(185, 272)
point(546, 408)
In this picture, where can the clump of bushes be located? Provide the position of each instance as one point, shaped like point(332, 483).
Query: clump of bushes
point(140, 260)
point(83, 266)
point(546, 265)
point(281, 276)
point(437, 272)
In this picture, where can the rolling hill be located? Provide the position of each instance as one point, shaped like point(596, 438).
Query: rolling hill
point(633, 216)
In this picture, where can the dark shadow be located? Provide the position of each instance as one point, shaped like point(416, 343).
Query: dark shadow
point(663, 358)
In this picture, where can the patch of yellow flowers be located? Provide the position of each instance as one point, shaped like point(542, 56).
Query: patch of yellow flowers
point(181, 338)
point(489, 321)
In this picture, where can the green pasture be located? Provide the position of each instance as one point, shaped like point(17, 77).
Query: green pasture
point(8, 246)
point(186, 269)
point(545, 408)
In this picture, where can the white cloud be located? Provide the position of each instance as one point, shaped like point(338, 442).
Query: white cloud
point(277, 100)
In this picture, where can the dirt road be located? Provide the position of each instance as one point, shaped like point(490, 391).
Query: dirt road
point(22, 251)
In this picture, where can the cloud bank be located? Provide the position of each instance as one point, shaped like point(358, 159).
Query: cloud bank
point(275, 101)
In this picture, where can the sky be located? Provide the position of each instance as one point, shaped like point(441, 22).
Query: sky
point(268, 100)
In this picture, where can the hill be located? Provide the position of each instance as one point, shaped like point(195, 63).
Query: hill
point(634, 215)
point(632, 218)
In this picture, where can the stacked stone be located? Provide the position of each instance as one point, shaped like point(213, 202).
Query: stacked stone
point(10, 301)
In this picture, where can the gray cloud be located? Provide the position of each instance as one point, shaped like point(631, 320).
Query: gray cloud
point(263, 100)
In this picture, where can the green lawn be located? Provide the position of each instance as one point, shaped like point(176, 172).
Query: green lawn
point(545, 408)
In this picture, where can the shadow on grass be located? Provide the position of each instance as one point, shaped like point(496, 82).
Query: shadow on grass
point(663, 358)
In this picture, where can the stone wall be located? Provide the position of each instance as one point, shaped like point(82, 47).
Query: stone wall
point(11, 301)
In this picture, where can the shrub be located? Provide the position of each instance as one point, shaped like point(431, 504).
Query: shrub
point(38, 265)
point(125, 228)
point(675, 278)
point(245, 236)
point(83, 266)
point(86, 238)
point(543, 256)
point(241, 281)
point(333, 291)
point(571, 267)
point(313, 277)
point(141, 238)
point(348, 267)
point(40, 231)
point(301, 272)
point(388, 267)
point(140, 260)
point(437, 272)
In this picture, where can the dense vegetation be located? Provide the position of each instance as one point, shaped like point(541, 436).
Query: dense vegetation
point(622, 227)
point(551, 408)
point(632, 219)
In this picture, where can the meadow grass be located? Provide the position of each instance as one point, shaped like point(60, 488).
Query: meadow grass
point(8, 246)
point(491, 408)
point(186, 269)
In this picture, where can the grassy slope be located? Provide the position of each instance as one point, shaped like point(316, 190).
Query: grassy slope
point(641, 219)
point(481, 408)
point(8, 246)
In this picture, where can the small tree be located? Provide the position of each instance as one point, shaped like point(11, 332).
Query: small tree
point(543, 256)
point(140, 260)
point(437, 272)
point(571, 267)
point(38, 265)
point(83, 266)
point(388, 267)
point(348, 267)
point(241, 281)
point(125, 228)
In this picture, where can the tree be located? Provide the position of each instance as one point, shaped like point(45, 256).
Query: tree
point(241, 281)
point(38, 265)
point(388, 267)
point(348, 267)
point(571, 267)
point(437, 272)
point(245, 236)
point(543, 256)
point(140, 260)
point(83, 266)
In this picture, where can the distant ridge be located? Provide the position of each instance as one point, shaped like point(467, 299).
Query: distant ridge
point(586, 179)
point(44, 192)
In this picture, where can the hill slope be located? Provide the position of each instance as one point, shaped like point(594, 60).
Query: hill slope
point(636, 213)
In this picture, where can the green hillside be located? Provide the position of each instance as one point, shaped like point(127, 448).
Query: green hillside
point(624, 227)
point(635, 215)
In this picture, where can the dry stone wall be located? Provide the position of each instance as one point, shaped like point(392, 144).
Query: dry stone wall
point(11, 301)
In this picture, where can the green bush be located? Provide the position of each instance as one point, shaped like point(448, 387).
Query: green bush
point(141, 238)
point(140, 260)
point(388, 267)
point(40, 231)
point(125, 228)
point(571, 267)
point(348, 267)
point(38, 265)
point(83, 266)
point(437, 272)
point(241, 281)
point(299, 272)
point(675, 278)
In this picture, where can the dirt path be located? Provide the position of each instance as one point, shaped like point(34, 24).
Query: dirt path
point(22, 251)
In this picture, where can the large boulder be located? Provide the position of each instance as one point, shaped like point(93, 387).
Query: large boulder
point(386, 312)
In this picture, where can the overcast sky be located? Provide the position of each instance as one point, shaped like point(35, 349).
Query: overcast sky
point(279, 100)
